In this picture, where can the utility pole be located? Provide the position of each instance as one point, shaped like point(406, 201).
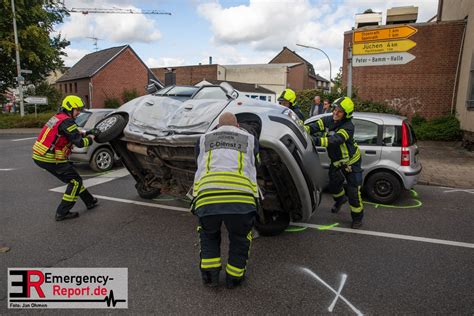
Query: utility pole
point(18, 68)
point(349, 72)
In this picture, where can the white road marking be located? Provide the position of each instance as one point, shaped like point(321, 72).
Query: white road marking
point(162, 206)
point(314, 275)
point(390, 235)
point(459, 190)
point(333, 304)
point(98, 180)
point(7, 169)
point(20, 139)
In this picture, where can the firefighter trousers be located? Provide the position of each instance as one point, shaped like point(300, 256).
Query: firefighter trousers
point(67, 174)
point(337, 177)
point(239, 227)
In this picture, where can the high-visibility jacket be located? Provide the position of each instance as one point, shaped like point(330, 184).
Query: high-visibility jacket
point(338, 138)
point(226, 168)
point(55, 140)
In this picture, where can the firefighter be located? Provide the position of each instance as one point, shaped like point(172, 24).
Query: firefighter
point(338, 137)
point(288, 98)
point(51, 151)
point(225, 190)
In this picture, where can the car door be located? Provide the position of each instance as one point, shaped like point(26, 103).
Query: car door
point(367, 135)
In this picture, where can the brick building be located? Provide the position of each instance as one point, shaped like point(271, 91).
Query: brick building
point(105, 75)
point(426, 85)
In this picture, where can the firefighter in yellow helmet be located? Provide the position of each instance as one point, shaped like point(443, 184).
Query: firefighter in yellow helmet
point(51, 151)
point(288, 98)
point(336, 133)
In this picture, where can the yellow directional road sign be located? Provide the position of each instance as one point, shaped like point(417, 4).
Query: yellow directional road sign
point(390, 33)
point(383, 47)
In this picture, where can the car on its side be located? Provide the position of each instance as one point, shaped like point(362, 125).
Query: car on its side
point(389, 154)
point(155, 136)
point(100, 157)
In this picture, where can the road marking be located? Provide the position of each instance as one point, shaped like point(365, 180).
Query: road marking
point(390, 235)
point(162, 206)
point(7, 169)
point(20, 139)
point(315, 276)
point(343, 281)
point(459, 190)
point(98, 180)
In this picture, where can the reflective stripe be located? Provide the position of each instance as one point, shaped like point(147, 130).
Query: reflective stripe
point(357, 209)
point(250, 237)
point(69, 198)
point(324, 141)
point(46, 159)
point(321, 124)
point(40, 148)
point(71, 128)
point(307, 129)
point(210, 263)
point(216, 180)
point(344, 151)
point(354, 158)
point(46, 132)
point(208, 164)
point(234, 271)
point(343, 133)
point(82, 189)
point(224, 199)
point(339, 194)
point(85, 140)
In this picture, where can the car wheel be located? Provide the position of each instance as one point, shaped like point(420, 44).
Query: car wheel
point(102, 160)
point(147, 192)
point(110, 128)
point(276, 224)
point(383, 187)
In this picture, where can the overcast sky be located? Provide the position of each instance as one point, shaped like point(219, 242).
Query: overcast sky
point(231, 31)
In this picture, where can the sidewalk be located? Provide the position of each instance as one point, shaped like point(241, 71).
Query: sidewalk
point(446, 164)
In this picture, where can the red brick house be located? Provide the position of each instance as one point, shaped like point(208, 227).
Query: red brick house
point(104, 75)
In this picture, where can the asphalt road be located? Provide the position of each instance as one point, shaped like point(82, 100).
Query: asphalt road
point(423, 265)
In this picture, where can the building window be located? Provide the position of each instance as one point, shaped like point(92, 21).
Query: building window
point(319, 83)
point(75, 87)
point(61, 87)
point(65, 88)
point(70, 88)
point(470, 99)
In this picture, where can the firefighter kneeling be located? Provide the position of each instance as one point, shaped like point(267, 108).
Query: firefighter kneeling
point(51, 151)
point(338, 138)
point(225, 190)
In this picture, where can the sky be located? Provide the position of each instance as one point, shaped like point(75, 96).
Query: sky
point(231, 31)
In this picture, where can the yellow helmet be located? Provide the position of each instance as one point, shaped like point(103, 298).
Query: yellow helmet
point(72, 102)
point(346, 104)
point(288, 95)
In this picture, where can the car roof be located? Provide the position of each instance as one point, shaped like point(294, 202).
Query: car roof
point(389, 119)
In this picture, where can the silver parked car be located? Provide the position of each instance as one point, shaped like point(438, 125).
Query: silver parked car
point(389, 154)
point(100, 157)
point(155, 136)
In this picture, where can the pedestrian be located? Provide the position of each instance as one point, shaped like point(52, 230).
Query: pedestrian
point(225, 190)
point(288, 98)
point(51, 151)
point(326, 106)
point(338, 138)
point(316, 107)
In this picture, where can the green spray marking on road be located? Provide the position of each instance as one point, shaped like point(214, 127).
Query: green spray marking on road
point(414, 195)
point(297, 229)
point(328, 226)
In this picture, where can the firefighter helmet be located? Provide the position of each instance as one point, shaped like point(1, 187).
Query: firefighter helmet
point(288, 95)
point(72, 102)
point(345, 104)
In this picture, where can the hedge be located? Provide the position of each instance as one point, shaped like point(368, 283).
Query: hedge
point(12, 120)
point(445, 128)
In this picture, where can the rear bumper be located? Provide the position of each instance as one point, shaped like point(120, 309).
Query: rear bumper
point(410, 176)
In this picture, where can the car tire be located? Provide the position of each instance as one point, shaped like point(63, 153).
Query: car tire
point(110, 128)
point(146, 192)
point(102, 160)
point(383, 187)
point(276, 225)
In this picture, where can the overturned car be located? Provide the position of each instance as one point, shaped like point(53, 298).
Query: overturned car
point(155, 135)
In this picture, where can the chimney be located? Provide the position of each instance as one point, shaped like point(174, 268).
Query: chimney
point(210, 60)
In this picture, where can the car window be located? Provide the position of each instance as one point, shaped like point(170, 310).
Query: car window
point(82, 118)
point(392, 135)
point(180, 91)
point(211, 93)
point(366, 133)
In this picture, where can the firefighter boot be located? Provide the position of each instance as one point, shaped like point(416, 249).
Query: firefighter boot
point(68, 215)
point(210, 278)
point(357, 219)
point(338, 204)
point(92, 204)
point(232, 282)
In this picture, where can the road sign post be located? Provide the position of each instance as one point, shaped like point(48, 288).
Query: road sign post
point(382, 59)
point(383, 47)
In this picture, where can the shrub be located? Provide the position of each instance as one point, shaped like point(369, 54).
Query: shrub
point(369, 106)
point(14, 120)
point(443, 128)
point(111, 103)
point(128, 95)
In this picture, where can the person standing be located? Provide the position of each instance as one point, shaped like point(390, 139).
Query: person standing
point(326, 106)
point(338, 138)
point(51, 151)
point(316, 107)
point(225, 191)
point(288, 99)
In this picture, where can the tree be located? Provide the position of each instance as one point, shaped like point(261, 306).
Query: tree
point(40, 52)
point(338, 80)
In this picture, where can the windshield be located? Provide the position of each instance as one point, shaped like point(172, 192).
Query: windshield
point(82, 118)
point(177, 91)
point(211, 93)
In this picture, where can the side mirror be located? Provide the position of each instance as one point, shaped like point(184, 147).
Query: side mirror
point(229, 90)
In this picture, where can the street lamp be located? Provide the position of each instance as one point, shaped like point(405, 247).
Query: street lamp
point(330, 67)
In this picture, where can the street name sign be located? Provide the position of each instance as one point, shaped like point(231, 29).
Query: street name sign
point(392, 33)
point(382, 59)
point(36, 100)
point(383, 47)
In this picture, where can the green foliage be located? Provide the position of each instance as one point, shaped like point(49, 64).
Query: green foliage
point(111, 103)
point(442, 128)
point(369, 106)
point(39, 52)
point(54, 96)
point(128, 95)
point(14, 120)
point(337, 81)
